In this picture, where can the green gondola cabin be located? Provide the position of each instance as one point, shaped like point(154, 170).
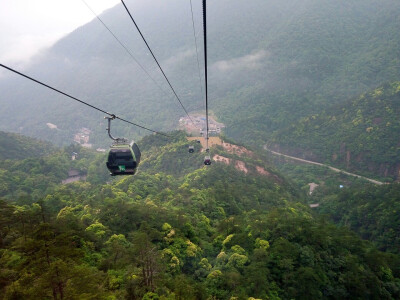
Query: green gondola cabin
point(123, 159)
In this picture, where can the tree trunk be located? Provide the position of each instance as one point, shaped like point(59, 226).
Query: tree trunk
point(60, 285)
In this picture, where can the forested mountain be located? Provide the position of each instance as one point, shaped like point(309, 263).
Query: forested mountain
point(361, 134)
point(270, 64)
point(373, 212)
point(14, 146)
point(181, 230)
point(30, 169)
point(324, 52)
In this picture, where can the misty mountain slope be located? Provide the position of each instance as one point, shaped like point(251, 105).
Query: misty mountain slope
point(360, 134)
point(14, 146)
point(325, 53)
point(372, 212)
point(270, 63)
point(91, 65)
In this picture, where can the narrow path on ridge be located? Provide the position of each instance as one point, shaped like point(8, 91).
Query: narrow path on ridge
point(323, 165)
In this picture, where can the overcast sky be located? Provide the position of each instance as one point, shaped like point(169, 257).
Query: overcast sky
point(26, 26)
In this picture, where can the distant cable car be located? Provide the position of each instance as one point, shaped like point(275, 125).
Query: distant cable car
point(191, 149)
point(123, 157)
point(207, 160)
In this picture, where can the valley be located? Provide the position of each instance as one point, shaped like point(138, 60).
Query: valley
point(324, 165)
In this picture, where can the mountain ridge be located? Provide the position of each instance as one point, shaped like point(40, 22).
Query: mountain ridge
point(362, 134)
point(269, 58)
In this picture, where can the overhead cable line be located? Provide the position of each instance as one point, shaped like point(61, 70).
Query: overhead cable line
point(197, 52)
point(205, 63)
point(162, 71)
point(126, 48)
point(80, 101)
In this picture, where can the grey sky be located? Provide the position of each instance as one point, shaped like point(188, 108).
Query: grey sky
point(26, 26)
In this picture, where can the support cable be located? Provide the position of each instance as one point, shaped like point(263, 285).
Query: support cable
point(162, 71)
point(197, 52)
point(80, 101)
point(126, 49)
point(205, 65)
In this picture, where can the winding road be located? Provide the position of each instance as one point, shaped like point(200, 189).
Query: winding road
point(323, 165)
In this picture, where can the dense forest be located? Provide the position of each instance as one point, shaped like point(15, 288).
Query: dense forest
point(15, 146)
point(361, 134)
point(272, 67)
point(372, 212)
point(30, 168)
point(183, 232)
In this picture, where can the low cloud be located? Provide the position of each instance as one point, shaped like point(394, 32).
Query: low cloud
point(21, 49)
point(180, 57)
point(251, 61)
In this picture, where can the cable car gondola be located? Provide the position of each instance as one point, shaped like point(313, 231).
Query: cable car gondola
point(191, 149)
point(123, 157)
point(207, 160)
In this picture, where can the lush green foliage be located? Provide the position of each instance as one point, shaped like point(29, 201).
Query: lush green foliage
point(14, 146)
point(37, 168)
point(359, 135)
point(328, 181)
point(372, 212)
point(184, 233)
point(368, 209)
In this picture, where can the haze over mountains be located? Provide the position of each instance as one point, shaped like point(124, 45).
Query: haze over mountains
point(271, 63)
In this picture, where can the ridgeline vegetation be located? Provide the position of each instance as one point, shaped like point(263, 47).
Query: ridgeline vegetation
point(360, 135)
point(180, 230)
